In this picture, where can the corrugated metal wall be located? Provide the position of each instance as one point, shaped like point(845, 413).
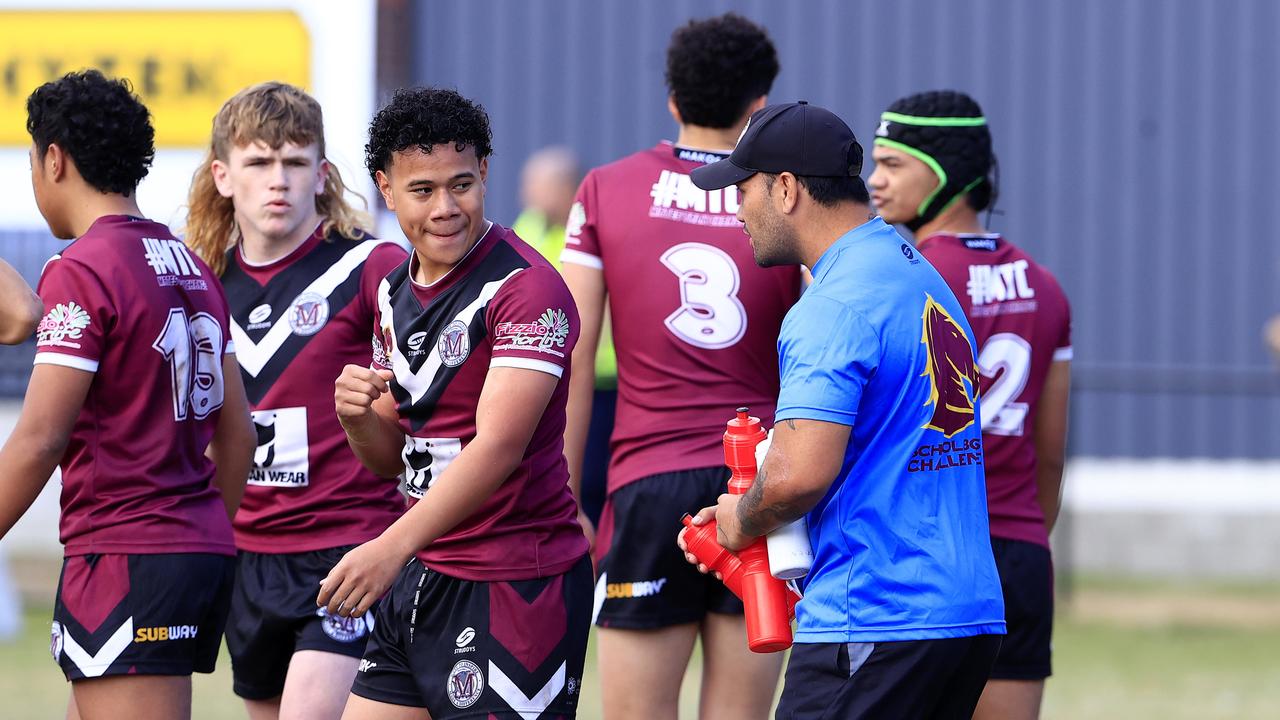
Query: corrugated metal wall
point(1135, 144)
point(1136, 140)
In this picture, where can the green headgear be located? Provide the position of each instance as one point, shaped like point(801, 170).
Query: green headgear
point(945, 130)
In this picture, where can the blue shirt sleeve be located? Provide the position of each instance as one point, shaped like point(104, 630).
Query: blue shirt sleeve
point(826, 354)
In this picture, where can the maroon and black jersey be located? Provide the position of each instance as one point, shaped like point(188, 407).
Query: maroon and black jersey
point(1022, 323)
point(129, 303)
point(503, 305)
point(296, 322)
point(695, 320)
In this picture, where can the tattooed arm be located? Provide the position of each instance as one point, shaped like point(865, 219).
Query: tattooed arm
point(804, 458)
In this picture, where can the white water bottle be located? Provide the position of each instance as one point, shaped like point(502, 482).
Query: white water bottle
point(790, 555)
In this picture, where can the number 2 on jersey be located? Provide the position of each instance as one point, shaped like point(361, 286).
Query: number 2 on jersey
point(710, 314)
point(1012, 354)
point(193, 347)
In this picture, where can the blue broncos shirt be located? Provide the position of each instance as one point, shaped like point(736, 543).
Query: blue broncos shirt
point(901, 545)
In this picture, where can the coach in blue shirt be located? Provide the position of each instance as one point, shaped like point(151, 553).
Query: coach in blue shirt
point(877, 440)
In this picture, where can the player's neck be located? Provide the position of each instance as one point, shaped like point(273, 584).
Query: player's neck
point(92, 206)
point(260, 249)
point(696, 137)
point(959, 219)
point(826, 226)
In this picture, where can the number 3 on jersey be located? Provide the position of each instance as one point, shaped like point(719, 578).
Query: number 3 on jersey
point(193, 347)
point(710, 314)
point(1011, 354)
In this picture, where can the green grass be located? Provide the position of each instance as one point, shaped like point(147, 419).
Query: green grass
point(1131, 650)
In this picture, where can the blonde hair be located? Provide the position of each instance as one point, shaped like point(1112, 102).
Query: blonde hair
point(272, 113)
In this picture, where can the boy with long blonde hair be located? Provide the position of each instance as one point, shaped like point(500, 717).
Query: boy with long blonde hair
point(269, 214)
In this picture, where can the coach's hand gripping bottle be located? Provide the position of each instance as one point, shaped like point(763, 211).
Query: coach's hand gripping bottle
point(769, 604)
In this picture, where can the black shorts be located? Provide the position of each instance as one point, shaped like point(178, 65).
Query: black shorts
point(645, 582)
point(465, 649)
point(1026, 577)
point(939, 679)
point(140, 614)
point(274, 615)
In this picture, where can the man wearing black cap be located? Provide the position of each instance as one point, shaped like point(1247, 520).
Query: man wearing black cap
point(934, 174)
point(877, 440)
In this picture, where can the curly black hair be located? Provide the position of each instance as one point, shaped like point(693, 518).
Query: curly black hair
point(100, 123)
point(716, 67)
point(422, 118)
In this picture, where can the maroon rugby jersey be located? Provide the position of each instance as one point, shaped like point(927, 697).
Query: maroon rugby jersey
point(502, 306)
point(296, 322)
point(695, 320)
point(129, 303)
point(1023, 324)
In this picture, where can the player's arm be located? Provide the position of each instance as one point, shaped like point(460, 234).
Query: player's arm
point(55, 395)
point(586, 284)
point(367, 411)
point(233, 442)
point(1051, 439)
point(511, 406)
point(804, 458)
point(20, 307)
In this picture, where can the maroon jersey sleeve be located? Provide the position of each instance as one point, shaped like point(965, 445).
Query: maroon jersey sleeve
point(1062, 350)
point(384, 258)
point(582, 244)
point(79, 313)
point(533, 322)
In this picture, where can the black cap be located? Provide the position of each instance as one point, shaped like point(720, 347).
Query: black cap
point(799, 138)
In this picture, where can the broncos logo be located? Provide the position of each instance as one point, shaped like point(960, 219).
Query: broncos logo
point(953, 375)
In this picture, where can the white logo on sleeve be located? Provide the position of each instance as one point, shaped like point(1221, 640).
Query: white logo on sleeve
point(63, 323)
point(577, 219)
point(548, 332)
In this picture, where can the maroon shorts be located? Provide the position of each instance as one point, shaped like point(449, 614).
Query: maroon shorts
point(480, 649)
point(140, 614)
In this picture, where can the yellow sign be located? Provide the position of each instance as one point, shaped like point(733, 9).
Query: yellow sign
point(184, 65)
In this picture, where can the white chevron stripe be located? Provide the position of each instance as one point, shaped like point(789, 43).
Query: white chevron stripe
point(418, 382)
point(529, 708)
point(95, 665)
point(255, 356)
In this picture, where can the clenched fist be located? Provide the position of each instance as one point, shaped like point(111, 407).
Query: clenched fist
point(356, 389)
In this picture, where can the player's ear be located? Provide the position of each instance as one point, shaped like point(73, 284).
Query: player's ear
point(788, 192)
point(384, 188)
point(221, 178)
point(322, 176)
point(484, 169)
point(675, 111)
point(54, 162)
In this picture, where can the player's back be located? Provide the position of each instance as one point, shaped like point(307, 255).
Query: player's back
point(128, 302)
point(1022, 322)
point(695, 320)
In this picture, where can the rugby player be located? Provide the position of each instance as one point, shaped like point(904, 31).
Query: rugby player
point(695, 325)
point(135, 378)
point(489, 576)
point(269, 214)
point(933, 174)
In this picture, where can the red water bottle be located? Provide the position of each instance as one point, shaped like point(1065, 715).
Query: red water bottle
point(763, 595)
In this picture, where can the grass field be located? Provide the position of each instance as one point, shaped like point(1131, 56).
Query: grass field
point(1125, 650)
